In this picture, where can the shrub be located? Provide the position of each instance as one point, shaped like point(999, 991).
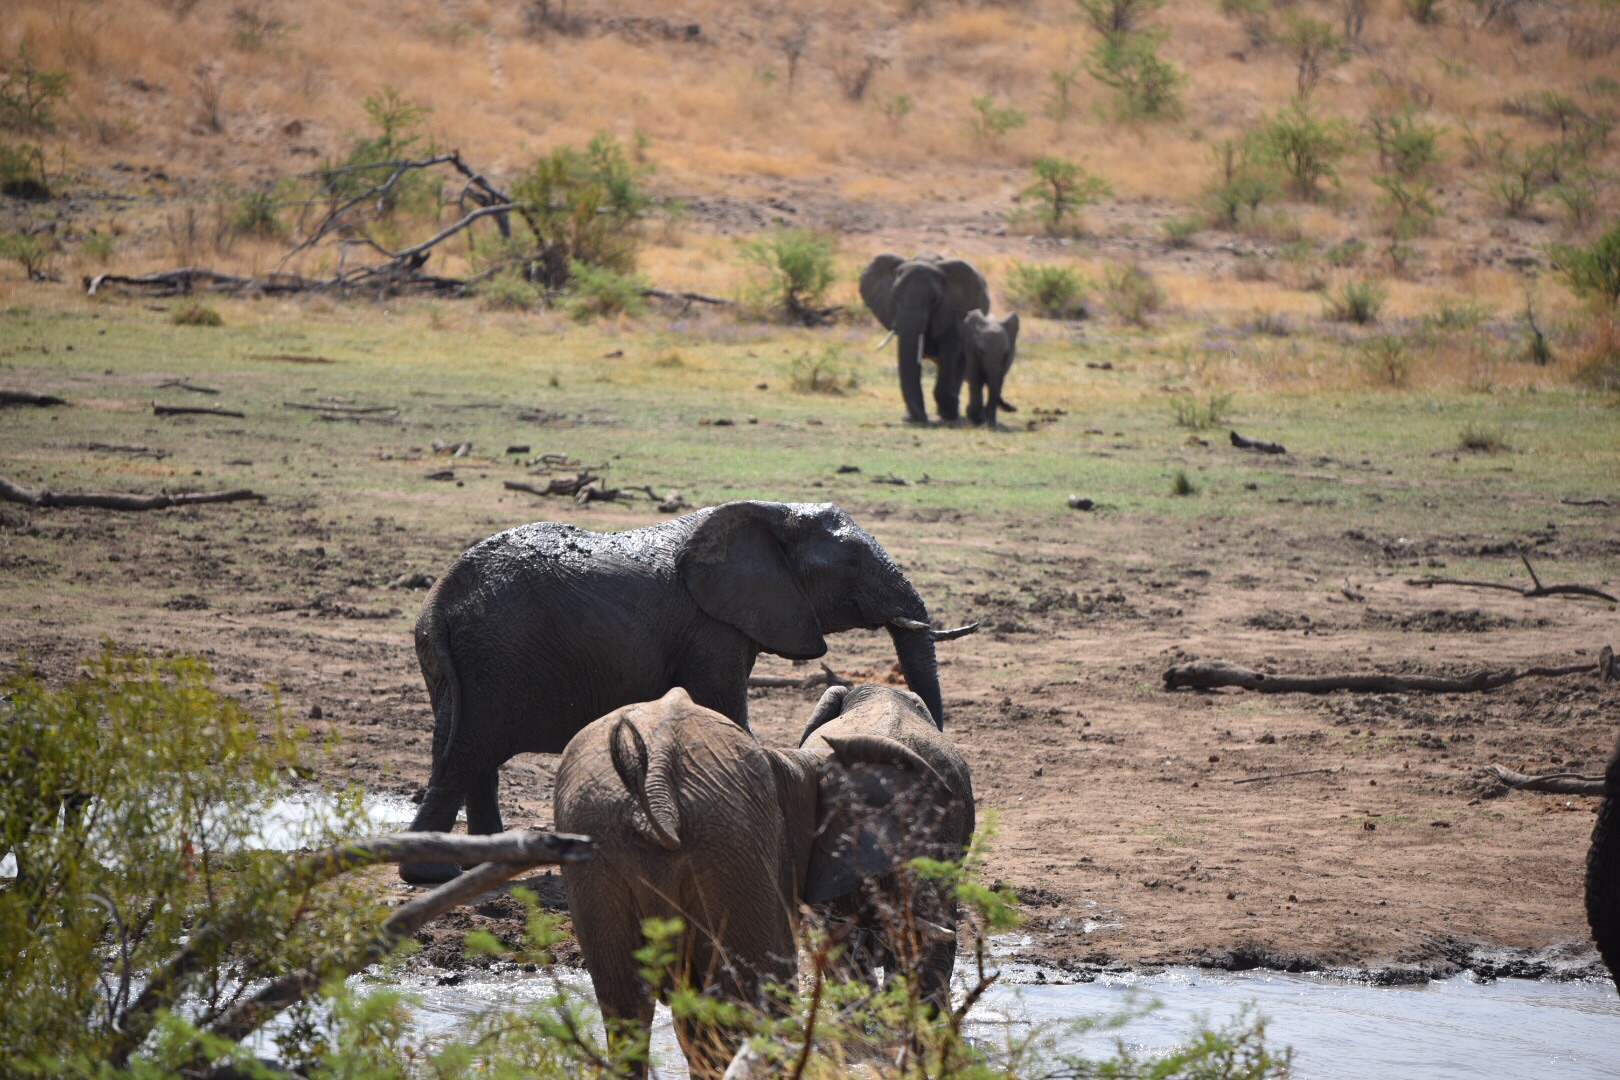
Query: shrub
point(1061, 189)
point(1240, 185)
point(599, 292)
point(1144, 84)
point(508, 290)
point(1592, 271)
point(829, 373)
point(1179, 231)
point(1052, 292)
point(1412, 203)
point(1599, 365)
point(1345, 253)
point(1456, 315)
point(1577, 192)
point(896, 108)
point(27, 251)
point(1181, 483)
point(1387, 358)
point(584, 206)
point(1316, 48)
point(1210, 412)
point(1358, 301)
point(22, 171)
point(372, 159)
point(1132, 294)
point(1059, 103)
point(993, 122)
point(99, 246)
point(196, 313)
point(29, 94)
point(1518, 177)
point(1306, 149)
point(1482, 439)
point(255, 214)
point(791, 271)
point(1109, 17)
point(1407, 146)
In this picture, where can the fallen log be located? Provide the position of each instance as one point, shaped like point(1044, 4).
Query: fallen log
point(1215, 674)
point(825, 677)
point(1550, 783)
point(557, 485)
point(499, 857)
point(357, 410)
point(1586, 502)
point(29, 397)
point(1258, 445)
point(125, 448)
point(12, 492)
point(689, 297)
point(1531, 592)
point(193, 410)
point(182, 384)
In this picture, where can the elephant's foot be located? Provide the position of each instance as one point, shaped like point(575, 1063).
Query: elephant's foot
point(916, 421)
point(428, 873)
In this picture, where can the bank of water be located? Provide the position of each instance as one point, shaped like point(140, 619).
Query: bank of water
point(1451, 1028)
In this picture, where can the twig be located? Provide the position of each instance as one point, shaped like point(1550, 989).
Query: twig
point(825, 677)
point(29, 397)
point(12, 492)
point(1537, 590)
point(182, 384)
point(1281, 775)
point(1213, 674)
point(1586, 502)
point(121, 448)
point(1258, 445)
point(193, 410)
point(356, 409)
point(1552, 783)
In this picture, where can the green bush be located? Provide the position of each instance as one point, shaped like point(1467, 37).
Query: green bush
point(585, 206)
point(790, 272)
point(1592, 271)
point(1411, 203)
point(1240, 187)
point(1519, 176)
point(1052, 292)
point(27, 251)
point(1482, 439)
point(372, 160)
point(1387, 358)
point(196, 313)
point(1407, 146)
point(508, 290)
point(1060, 190)
point(1303, 147)
point(1116, 16)
point(599, 292)
point(1058, 103)
point(1358, 301)
point(828, 373)
point(1145, 84)
point(992, 122)
point(1179, 231)
point(29, 94)
point(1316, 47)
point(1131, 293)
point(256, 214)
point(1181, 483)
point(22, 171)
point(99, 246)
point(1191, 412)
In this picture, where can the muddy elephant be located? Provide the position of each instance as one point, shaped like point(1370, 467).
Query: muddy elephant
point(1603, 872)
point(939, 824)
point(693, 819)
point(539, 630)
point(989, 347)
point(922, 301)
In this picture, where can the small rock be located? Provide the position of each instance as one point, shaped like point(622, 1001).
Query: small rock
point(441, 474)
point(315, 712)
point(1267, 738)
point(614, 355)
point(1214, 758)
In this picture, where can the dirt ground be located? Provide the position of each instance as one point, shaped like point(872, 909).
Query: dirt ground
point(1125, 820)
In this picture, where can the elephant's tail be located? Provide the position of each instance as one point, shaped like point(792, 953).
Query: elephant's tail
point(1603, 873)
point(659, 818)
point(1003, 403)
point(444, 687)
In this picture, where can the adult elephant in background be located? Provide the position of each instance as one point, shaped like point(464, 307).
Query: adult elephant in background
point(989, 347)
point(1603, 872)
point(541, 629)
point(922, 301)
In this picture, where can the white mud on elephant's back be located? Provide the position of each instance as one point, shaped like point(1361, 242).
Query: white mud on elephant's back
point(1339, 1029)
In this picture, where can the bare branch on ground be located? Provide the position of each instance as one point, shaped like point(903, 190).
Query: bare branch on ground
point(1538, 589)
point(109, 500)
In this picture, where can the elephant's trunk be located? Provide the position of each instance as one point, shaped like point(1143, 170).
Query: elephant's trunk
point(915, 651)
point(1603, 873)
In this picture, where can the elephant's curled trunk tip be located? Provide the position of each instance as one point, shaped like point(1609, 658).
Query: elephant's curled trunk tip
point(937, 635)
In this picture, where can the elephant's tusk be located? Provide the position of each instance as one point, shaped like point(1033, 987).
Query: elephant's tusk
point(886, 339)
point(933, 931)
point(938, 635)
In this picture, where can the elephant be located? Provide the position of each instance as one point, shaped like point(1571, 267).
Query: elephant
point(989, 347)
point(923, 301)
point(939, 828)
point(1603, 872)
point(694, 819)
point(539, 630)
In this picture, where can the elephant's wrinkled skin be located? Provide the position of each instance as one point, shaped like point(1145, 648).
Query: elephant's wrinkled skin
point(539, 630)
point(989, 347)
point(693, 819)
point(923, 301)
point(938, 823)
point(1603, 873)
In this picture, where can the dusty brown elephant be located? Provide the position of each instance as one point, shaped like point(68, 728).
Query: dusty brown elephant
point(694, 819)
point(938, 821)
point(1603, 872)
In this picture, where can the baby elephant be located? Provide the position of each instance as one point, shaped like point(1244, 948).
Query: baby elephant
point(989, 347)
point(693, 819)
point(937, 823)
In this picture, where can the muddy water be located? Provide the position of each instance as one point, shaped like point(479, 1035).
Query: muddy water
point(1337, 1028)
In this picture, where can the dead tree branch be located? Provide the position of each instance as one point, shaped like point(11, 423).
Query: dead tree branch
point(825, 677)
point(182, 384)
point(193, 410)
point(1586, 502)
point(1257, 445)
point(355, 410)
point(1538, 589)
point(1550, 783)
point(1282, 775)
point(29, 397)
point(11, 492)
point(1214, 674)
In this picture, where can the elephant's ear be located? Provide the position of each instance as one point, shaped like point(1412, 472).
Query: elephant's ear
point(1010, 323)
point(877, 287)
point(735, 568)
point(863, 813)
point(965, 290)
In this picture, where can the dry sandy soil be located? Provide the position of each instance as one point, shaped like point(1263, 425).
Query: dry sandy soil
point(1125, 822)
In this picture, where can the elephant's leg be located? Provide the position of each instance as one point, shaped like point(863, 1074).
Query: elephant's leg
point(911, 384)
point(436, 814)
point(975, 409)
point(608, 928)
point(948, 386)
point(484, 805)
